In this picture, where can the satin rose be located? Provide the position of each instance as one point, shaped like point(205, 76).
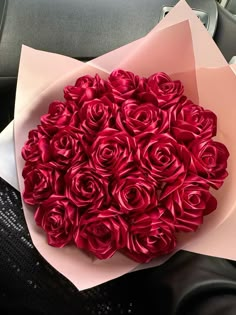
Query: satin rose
point(67, 145)
point(60, 114)
point(41, 182)
point(136, 118)
point(101, 233)
point(57, 216)
point(190, 121)
point(188, 202)
point(209, 160)
point(149, 236)
point(162, 158)
point(134, 193)
point(125, 84)
point(36, 148)
point(167, 91)
point(112, 153)
point(86, 88)
point(95, 116)
point(85, 187)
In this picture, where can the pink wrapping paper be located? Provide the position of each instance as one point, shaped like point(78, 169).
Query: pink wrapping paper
point(178, 45)
point(233, 67)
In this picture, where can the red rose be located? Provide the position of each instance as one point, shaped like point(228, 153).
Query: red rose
point(86, 188)
point(101, 233)
point(134, 194)
point(112, 152)
point(85, 81)
point(41, 182)
point(86, 89)
point(125, 84)
point(97, 83)
point(103, 87)
point(168, 92)
point(60, 114)
point(36, 149)
point(136, 118)
point(209, 160)
point(95, 116)
point(66, 145)
point(57, 216)
point(149, 236)
point(189, 202)
point(162, 158)
point(28, 167)
point(82, 91)
point(190, 121)
point(78, 94)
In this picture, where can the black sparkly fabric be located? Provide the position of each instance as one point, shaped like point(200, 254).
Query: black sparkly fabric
point(186, 284)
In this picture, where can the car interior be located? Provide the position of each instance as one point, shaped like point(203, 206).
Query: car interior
point(85, 29)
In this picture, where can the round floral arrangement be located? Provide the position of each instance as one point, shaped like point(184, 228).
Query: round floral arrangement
point(123, 164)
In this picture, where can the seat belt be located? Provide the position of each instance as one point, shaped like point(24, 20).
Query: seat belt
point(206, 11)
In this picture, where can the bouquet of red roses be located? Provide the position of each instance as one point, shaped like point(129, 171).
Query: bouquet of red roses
point(123, 164)
point(126, 153)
